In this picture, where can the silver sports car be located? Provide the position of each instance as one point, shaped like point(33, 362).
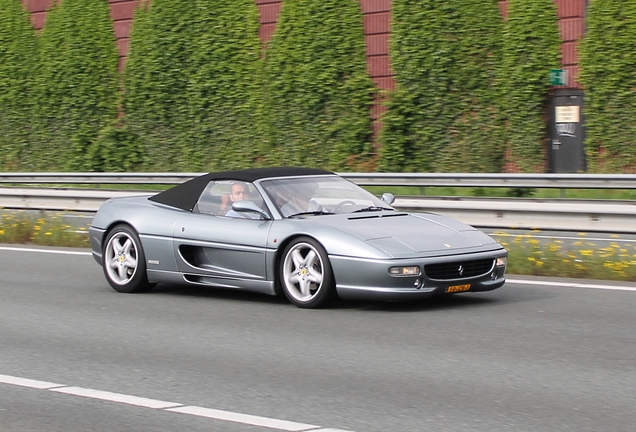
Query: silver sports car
point(306, 233)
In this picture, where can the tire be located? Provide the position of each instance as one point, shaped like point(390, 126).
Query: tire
point(124, 262)
point(305, 274)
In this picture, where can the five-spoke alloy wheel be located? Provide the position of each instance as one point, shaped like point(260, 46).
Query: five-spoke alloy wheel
point(305, 273)
point(124, 262)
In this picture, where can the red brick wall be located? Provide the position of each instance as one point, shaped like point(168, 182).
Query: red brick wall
point(377, 19)
point(269, 10)
point(121, 12)
point(572, 26)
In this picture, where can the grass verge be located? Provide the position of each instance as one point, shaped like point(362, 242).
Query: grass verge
point(52, 230)
point(583, 258)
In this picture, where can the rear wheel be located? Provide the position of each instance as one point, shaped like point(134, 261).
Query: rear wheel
point(305, 274)
point(124, 262)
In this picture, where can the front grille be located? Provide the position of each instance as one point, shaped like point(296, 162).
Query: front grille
point(459, 269)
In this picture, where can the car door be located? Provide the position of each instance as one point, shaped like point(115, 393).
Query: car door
point(225, 250)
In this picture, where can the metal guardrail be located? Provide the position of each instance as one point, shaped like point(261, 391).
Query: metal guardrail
point(545, 215)
point(576, 215)
point(552, 181)
point(496, 180)
point(95, 178)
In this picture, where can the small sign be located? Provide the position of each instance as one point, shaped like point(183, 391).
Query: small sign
point(558, 77)
point(567, 114)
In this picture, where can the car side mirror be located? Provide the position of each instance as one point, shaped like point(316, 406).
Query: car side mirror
point(246, 206)
point(388, 198)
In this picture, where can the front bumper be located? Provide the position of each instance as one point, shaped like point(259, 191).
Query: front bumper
point(360, 279)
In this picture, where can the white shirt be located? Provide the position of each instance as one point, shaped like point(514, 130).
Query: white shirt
point(292, 207)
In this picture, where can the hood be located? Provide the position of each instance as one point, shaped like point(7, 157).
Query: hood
point(400, 234)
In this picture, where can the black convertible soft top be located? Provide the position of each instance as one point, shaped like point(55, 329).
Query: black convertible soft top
point(185, 195)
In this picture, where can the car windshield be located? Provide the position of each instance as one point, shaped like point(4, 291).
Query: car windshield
point(320, 195)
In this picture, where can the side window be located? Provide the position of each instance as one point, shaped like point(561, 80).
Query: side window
point(211, 200)
point(218, 196)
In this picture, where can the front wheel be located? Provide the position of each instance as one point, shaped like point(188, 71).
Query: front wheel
point(124, 262)
point(305, 274)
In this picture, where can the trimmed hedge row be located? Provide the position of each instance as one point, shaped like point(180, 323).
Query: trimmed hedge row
point(192, 83)
point(76, 86)
point(17, 65)
point(202, 93)
point(158, 70)
point(317, 91)
point(531, 44)
point(608, 72)
point(444, 114)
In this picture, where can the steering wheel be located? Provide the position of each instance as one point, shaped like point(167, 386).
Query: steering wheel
point(342, 204)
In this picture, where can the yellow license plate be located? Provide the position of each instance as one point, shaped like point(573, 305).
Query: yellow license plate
point(457, 288)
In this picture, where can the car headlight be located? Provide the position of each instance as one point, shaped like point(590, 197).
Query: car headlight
point(502, 262)
point(405, 271)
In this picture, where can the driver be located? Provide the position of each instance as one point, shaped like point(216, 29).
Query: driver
point(301, 200)
point(239, 192)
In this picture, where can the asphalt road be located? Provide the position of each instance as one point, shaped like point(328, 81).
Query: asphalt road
point(526, 357)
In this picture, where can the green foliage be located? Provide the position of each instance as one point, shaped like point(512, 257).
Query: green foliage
point(191, 84)
point(224, 92)
point(520, 192)
point(77, 85)
point(607, 73)
point(202, 94)
point(155, 82)
point(317, 91)
point(116, 149)
point(443, 115)
point(17, 63)
point(531, 48)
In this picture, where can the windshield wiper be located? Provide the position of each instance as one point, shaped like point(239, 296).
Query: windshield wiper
point(310, 213)
point(373, 208)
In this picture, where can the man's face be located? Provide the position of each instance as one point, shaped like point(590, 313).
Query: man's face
point(239, 192)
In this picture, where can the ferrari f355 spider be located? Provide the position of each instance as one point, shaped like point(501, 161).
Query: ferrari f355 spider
point(308, 234)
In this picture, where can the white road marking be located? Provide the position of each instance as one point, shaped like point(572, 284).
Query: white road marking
point(52, 251)
point(116, 397)
point(571, 285)
point(328, 430)
point(244, 418)
point(248, 419)
point(25, 382)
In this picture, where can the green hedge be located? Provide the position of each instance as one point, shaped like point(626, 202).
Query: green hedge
point(191, 84)
point(608, 74)
point(531, 44)
point(156, 80)
point(17, 65)
point(225, 88)
point(200, 92)
point(317, 91)
point(77, 86)
point(444, 114)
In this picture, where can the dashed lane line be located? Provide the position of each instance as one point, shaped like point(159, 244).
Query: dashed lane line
point(116, 397)
point(51, 251)
point(571, 285)
point(245, 418)
point(229, 416)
